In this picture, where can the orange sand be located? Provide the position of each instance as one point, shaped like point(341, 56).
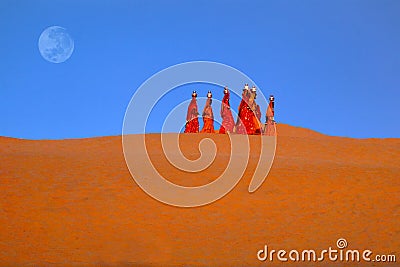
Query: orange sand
point(73, 202)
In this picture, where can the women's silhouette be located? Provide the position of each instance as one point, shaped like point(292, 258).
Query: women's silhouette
point(208, 116)
point(227, 119)
point(244, 120)
point(270, 125)
point(192, 121)
point(256, 126)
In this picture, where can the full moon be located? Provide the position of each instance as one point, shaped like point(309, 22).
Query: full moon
point(55, 44)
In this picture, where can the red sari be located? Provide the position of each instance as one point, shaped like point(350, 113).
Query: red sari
point(240, 125)
point(192, 121)
point(249, 116)
point(247, 119)
point(227, 119)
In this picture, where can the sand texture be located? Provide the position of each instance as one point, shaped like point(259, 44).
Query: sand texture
point(74, 203)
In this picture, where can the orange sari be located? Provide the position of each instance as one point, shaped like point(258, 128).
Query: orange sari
point(208, 125)
point(270, 126)
point(208, 118)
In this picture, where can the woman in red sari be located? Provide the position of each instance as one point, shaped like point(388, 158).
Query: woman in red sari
point(246, 123)
point(240, 125)
point(208, 116)
point(227, 119)
point(192, 121)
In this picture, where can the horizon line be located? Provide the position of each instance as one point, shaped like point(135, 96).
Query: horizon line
point(120, 135)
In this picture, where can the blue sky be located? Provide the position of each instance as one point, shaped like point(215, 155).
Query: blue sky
point(333, 66)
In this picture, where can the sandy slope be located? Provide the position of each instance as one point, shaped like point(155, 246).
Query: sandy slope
point(73, 202)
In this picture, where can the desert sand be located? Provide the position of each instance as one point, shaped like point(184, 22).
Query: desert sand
point(74, 203)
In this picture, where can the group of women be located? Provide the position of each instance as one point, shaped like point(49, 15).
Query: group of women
point(248, 120)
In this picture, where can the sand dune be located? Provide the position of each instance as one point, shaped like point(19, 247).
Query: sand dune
point(73, 202)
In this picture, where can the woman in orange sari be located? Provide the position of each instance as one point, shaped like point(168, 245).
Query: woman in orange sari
point(255, 127)
point(192, 121)
point(270, 125)
point(208, 116)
